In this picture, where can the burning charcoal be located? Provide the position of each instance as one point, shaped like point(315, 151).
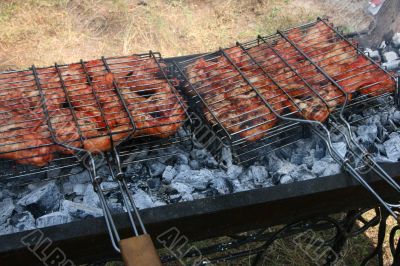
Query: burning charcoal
point(104, 171)
point(286, 179)
point(392, 147)
point(78, 199)
point(305, 145)
point(137, 155)
point(297, 158)
point(181, 158)
point(79, 189)
point(53, 173)
point(174, 198)
point(390, 56)
point(286, 168)
point(67, 187)
point(337, 137)
point(309, 160)
point(42, 199)
point(79, 175)
point(241, 186)
point(6, 209)
point(382, 159)
point(195, 165)
point(51, 219)
point(302, 173)
point(154, 183)
point(155, 168)
point(391, 65)
point(396, 40)
point(326, 167)
point(226, 157)
point(222, 185)
point(373, 119)
point(6, 229)
point(115, 206)
point(284, 152)
point(383, 45)
point(198, 179)
point(319, 151)
point(198, 154)
point(142, 199)
point(374, 54)
point(182, 132)
point(182, 167)
point(169, 174)
point(137, 170)
point(258, 174)
point(396, 117)
point(182, 188)
point(274, 163)
point(355, 118)
point(90, 197)
point(211, 192)
point(234, 171)
point(23, 221)
point(341, 148)
point(211, 163)
point(197, 195)
point(80, 210)
point(109, 185)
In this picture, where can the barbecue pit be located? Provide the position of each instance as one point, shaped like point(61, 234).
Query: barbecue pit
point(185, 152)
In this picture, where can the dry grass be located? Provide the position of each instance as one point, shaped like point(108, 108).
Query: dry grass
point(41, 32)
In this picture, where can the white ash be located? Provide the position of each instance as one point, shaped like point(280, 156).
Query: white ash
point(79, 210)
point(43, 198)
point(396, 40)
point(90, 197)
point(390, 56)
point(169, 173)
point(79, 175)
point(374, 54)
point(286, 179)
point(392, 147)
point(52, 219)
point(22, 221)
point(79, 189)
point(6, 209)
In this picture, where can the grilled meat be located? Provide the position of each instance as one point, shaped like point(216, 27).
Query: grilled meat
point(84, 106)
point(308, 75)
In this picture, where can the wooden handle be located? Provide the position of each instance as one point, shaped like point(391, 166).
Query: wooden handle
point(138, 251)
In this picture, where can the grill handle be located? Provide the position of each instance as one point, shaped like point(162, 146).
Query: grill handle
point(138, 251)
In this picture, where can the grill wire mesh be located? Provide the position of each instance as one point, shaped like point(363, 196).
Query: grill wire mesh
point(305, 72)
point(51, 116)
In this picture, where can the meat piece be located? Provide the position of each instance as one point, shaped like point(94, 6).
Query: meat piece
point(81, 106)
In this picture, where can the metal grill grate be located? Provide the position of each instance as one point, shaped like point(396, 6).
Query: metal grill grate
point(58, 114)
point(257, 93)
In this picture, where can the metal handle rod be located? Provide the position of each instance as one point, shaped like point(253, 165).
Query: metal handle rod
point(359, 178)
point(112, 230)
point(125, 186)
point(367, 158)
point(125, 201)
point(374, 167)
point(126, 194)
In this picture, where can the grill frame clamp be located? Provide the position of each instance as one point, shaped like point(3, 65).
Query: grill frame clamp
point(336, 122)
point(139, 249)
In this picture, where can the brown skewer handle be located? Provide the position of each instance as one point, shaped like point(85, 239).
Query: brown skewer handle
point(139, 251)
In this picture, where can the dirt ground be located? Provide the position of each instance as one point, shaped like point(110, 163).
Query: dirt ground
point(41, 32)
